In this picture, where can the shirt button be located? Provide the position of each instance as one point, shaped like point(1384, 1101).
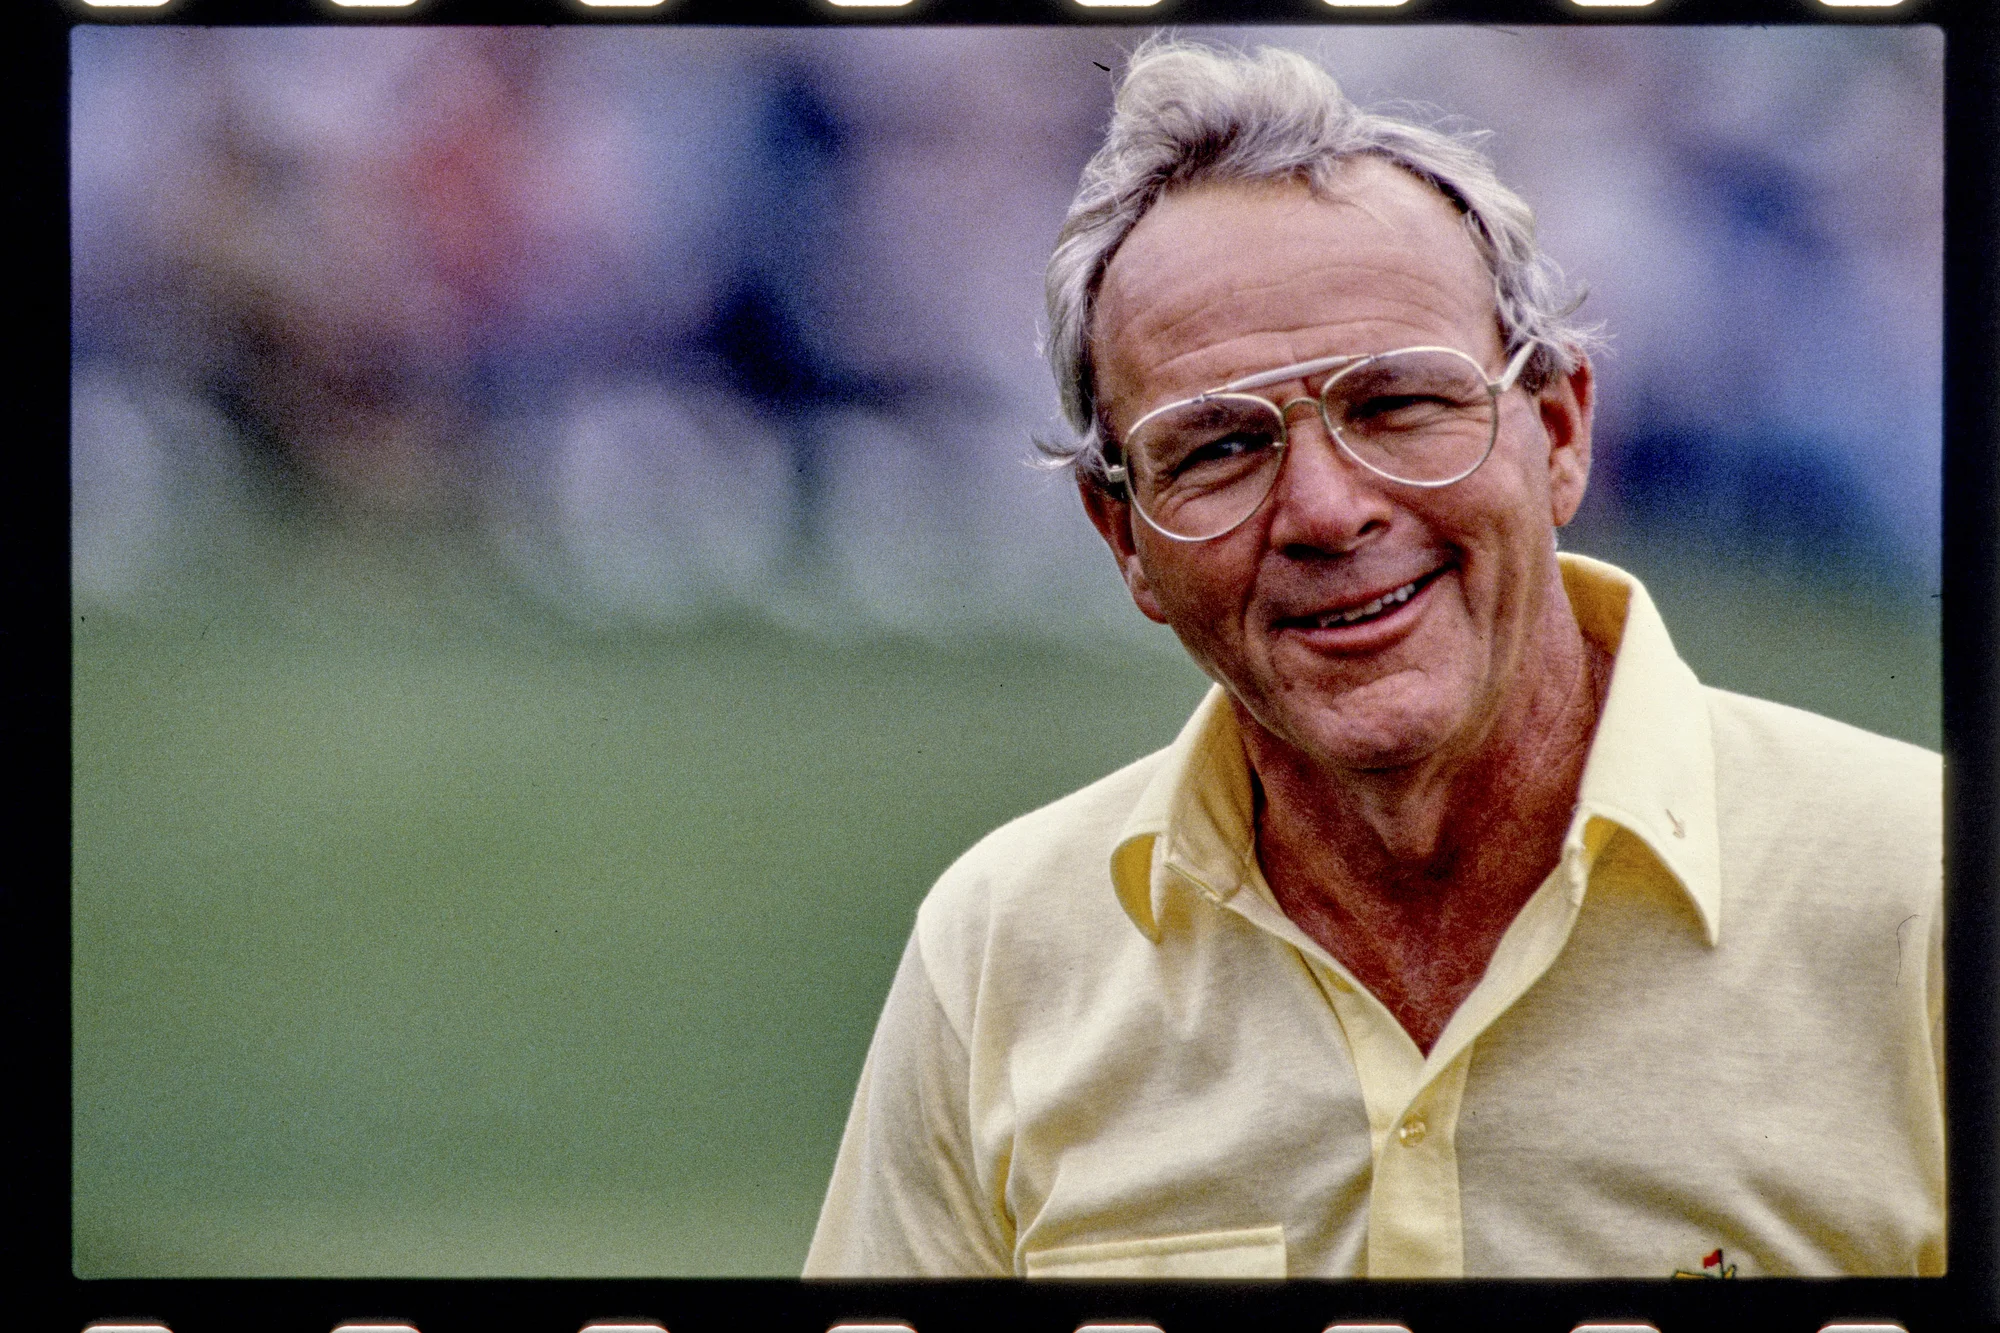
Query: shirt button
point(1411, 1131)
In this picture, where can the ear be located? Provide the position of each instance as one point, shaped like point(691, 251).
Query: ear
point(1565, 406)
point(1112, 517)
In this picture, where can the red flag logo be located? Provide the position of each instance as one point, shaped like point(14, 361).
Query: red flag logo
point(1712, 1266)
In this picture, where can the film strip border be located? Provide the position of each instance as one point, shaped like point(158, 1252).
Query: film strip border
point(1030, 11)
point(1963, 1300)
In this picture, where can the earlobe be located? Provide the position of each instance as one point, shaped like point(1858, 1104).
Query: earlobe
point(1141, 589)
point(1112, 518)
point(1565, 407)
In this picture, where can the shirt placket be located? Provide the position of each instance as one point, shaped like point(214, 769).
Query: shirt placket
point(1415, 1222)
point(1415, 1228)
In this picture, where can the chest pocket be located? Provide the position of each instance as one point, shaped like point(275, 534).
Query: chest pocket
point(1255, 1252)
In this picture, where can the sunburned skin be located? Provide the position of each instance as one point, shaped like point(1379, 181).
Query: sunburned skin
point(1415, 697)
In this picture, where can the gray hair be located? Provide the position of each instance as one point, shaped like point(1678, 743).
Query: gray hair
point(1187, 113)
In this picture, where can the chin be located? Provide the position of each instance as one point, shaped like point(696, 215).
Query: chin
point(1399, 718)
point(1365, 737)
point(1338, 742)
point(1374, 753)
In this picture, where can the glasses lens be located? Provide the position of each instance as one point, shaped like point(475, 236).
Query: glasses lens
point(1423, 417)
point(1201, 468)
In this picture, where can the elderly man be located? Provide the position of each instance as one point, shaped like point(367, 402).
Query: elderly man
point(1462, 932)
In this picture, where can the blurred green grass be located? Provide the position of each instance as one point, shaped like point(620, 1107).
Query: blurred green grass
point(431, 944)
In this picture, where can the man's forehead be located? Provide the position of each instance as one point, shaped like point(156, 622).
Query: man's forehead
point(1238, 251)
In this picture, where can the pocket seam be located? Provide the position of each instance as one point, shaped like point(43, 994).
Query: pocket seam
point(1057, 1261)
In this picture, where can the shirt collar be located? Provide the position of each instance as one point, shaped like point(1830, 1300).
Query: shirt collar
point(1651, 772)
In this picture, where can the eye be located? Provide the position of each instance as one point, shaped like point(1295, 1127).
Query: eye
point(1401, 408)
point(1208, 443)
point(1227, 448)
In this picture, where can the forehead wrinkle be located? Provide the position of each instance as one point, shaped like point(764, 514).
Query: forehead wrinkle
point(1408, 290)
point(1410, 308)
point(1399, 274)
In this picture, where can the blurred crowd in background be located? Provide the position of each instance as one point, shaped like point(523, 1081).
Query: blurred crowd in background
point(668, 320)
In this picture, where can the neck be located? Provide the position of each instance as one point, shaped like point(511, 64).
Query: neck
point(1410, 875)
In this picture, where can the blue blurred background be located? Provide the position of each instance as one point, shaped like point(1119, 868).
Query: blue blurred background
point(558, 571)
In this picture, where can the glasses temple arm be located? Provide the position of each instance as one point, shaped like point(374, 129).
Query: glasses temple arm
point(1515, 366)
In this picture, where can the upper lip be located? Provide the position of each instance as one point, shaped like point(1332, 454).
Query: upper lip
point(1319, 609)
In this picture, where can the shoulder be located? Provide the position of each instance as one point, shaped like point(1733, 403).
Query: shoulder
point(1034, 891)
point(1806, 799)
point(1039, 861)
point(1788, 753)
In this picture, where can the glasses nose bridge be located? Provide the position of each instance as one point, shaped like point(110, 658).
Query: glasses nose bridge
point(1303, 400)
point(1331, 468)
point(1316, 405)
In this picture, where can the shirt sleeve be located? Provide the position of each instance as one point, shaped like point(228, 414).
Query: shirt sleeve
point(905, 1199)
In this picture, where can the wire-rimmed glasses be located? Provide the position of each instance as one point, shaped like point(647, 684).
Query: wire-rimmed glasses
point(1197, 469)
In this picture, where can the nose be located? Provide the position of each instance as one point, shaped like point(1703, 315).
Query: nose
point(1323, 502)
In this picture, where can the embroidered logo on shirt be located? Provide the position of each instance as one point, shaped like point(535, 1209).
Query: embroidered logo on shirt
point(1711, 1266)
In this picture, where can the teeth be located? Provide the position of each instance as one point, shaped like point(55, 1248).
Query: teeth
point(1387, 599)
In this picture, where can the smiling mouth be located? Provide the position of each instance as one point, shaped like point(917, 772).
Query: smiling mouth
point(1373, 610)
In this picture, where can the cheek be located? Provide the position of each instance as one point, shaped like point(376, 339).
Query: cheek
point(1203, 601)
point(1204, 580)
point(1503, 551)
point(1503, 515)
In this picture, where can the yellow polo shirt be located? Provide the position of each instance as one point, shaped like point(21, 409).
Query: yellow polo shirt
point(1709, 1044)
